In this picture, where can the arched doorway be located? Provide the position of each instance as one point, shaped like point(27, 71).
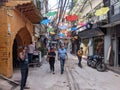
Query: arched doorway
point(23, 38)
point(15, 54)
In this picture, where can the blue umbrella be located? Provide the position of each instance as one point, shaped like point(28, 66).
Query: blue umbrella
point(61, 35)
point(73, 28)
point(45, 21)
point(63, 27)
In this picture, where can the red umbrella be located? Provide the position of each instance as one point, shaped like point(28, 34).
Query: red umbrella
point(69, 34)
point(71, 17)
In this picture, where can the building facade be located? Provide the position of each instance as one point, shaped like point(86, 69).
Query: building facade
point(16, 28)
point(109, 34)
point(113, 33)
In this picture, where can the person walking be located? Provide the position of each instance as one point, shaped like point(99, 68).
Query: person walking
point(36, 57)
point(51, 56)
point(31, 49)
point(23, 58)
point(79, 55)
point(62, 54)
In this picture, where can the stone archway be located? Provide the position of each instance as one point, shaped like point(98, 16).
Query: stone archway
point(22, 38)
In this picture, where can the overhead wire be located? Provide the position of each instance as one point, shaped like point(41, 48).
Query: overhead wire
point(63, 9)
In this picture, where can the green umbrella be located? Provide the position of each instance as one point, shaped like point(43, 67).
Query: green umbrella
point(50, 29)
point(51, 13)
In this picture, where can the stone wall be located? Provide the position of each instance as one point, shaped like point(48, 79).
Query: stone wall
point(13, 25)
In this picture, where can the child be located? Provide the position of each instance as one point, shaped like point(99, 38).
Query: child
point(79, 55)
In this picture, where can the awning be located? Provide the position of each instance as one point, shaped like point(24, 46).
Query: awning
point(30, 11)
point(91, 33)
point(111, 24)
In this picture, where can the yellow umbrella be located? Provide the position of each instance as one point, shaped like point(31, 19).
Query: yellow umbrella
point(102, 11)
point(52, 32)
point(75, 37)
point(63, 31)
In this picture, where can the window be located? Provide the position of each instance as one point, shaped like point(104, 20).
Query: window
point(113, 2)
point(115, 8)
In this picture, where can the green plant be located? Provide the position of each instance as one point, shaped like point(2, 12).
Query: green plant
point(43, 51)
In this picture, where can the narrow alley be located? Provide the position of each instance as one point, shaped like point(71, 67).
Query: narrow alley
point(32, 31)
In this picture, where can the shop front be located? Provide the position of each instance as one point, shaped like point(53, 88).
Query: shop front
point(118, 44)
point(94, 38)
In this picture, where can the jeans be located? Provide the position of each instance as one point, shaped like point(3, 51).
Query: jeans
point(52, 62)
point(80, 59)
point(24, 75)
point(62, 63)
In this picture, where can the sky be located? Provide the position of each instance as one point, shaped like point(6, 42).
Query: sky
point(53, 4)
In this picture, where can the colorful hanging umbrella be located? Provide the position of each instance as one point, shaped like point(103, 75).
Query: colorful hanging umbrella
point(63, 31)
point(71, 17)
point(45, 21)
point(63, 27)
point(49, 29)
point(75, 37)
point(51, 13)
point(102, 11)
point(82, 24)
point(73, 28)
point(69, 34)
point(52, 33)
point(61, 35)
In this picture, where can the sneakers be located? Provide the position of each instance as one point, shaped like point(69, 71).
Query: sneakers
point(61, 72)
point(53, 72)
point(79, 65)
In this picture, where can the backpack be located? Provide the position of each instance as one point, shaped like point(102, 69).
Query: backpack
point(79, 53)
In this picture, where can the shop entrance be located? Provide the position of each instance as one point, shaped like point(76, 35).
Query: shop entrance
point(119, 51)
point(16, 63)
point(99, 46)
